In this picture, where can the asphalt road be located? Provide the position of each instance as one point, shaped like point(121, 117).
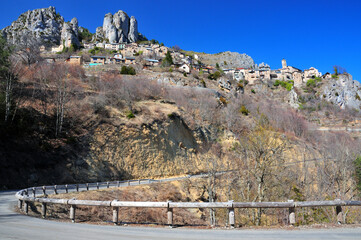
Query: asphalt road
point(17, 226)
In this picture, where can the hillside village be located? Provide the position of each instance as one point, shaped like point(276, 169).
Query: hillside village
point(151, 55)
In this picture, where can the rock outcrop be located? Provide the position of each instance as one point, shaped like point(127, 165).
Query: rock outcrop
point(228, 60)
point(45, 25)
point(343, 91)
point(69, 33)
point(117, 28)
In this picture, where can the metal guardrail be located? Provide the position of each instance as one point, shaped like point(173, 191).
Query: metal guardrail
point(27, 195)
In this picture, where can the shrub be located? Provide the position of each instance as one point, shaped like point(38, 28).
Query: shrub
point(214, 76)
point(253, 91)
point(185, 74)
point(130, 115)
point(244, 110)
point(277, 83)
point(203, 83)
point(358, 97)
point(223, 100)
point(288, 85)
point(357, 164)
point(168, 60)
point(172, 115)
point(138, 53)
point(311, 83)
point(127, 70)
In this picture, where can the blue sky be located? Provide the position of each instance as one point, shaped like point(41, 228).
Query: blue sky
point(317, 33)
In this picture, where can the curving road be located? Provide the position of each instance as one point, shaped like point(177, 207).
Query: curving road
point(17, 226)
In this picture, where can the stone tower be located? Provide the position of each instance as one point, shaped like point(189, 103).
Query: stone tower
point(284, 63)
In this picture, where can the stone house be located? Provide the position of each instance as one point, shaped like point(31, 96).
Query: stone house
point(239, 74)
point(114, 46)
point(89, 45)
point(100, 45)
point(57, 49)
point(42, 48)
point(76, 60)
point(327, 75)
point(151, 62)
point(129, 60)
point(311, 73)
point(98, 59)
point(265, 74)
point(117, 59)
point(49, 60)
point(185, 68)
point(297, 79)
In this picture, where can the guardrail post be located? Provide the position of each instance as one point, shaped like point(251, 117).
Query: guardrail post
point(115, 215)
point(34, 191)
point(26, 207)
point(128, 182)
point(97, 185)
point(231, 217)
point(292, 216)
point(20, 204)
point(139, 182)
point(26, 192)
point(66, 188)
point(87, 186)
point(77, 187)
point(170, 215)
point(339, 215)
point(44, 190)
point(118, 183)
point(148, 180)
point(55, 189)
point(107, 184)
point(72, 213)
point(43, 210)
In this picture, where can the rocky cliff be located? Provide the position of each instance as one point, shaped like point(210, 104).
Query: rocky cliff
point(343, 91)
point(228, 60)
point(117, 28)
point(45, 25)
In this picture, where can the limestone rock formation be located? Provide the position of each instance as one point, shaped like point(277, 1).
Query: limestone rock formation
point(343, 91)
point(45, 25)
point(228, 60)
point(293, 99)
point(133, 30)
point(69, 33)
point(99, 35)
point(117, 28)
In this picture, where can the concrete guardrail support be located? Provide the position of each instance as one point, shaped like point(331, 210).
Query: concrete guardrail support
point(26, 207)
point(72, 213)
point(292, 215)
point(43, 210)
point(115, 215)
point(170, 216)
point(231, 217)
point(339, 215)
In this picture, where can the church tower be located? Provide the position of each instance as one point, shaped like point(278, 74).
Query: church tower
point(284, 63)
